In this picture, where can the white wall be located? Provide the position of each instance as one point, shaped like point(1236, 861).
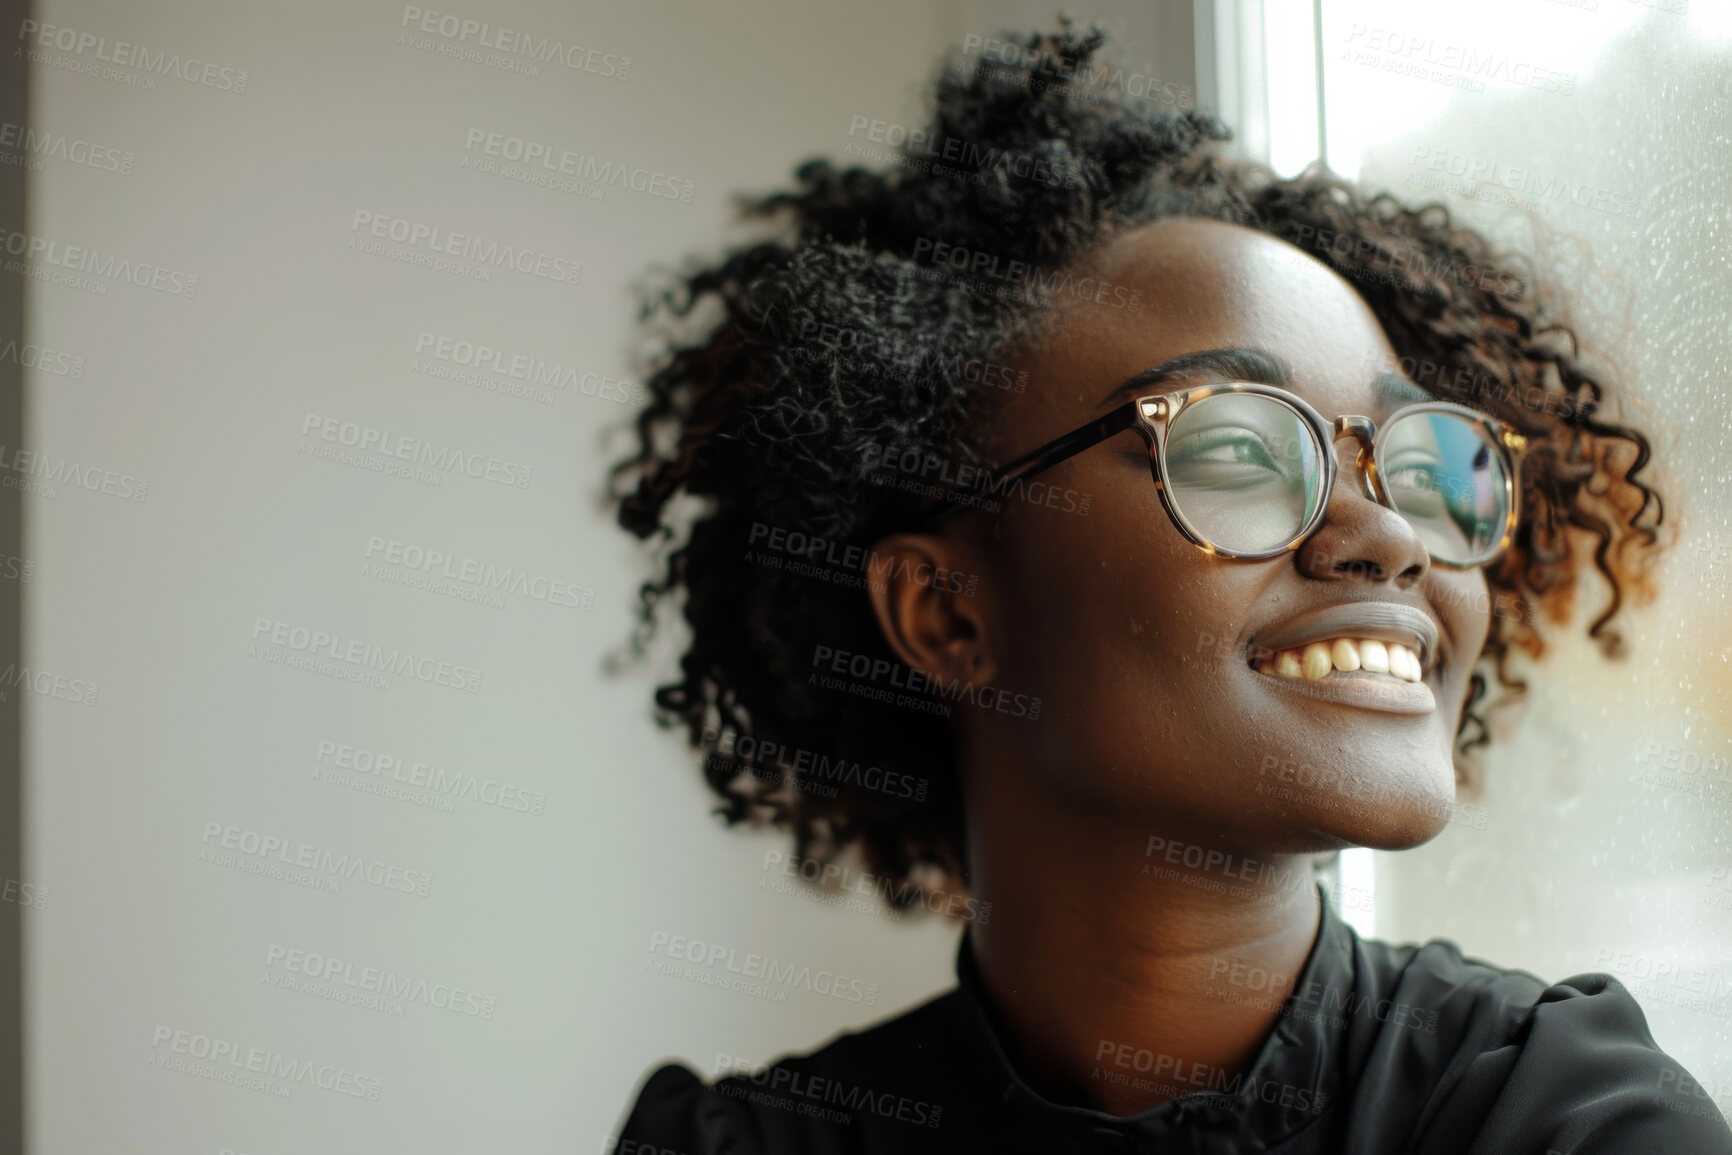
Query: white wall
point(550, 914)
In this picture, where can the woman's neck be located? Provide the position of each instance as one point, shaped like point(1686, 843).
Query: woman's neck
point(1125, 968)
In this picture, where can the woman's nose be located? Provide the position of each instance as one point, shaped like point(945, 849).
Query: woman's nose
point(1360, 537)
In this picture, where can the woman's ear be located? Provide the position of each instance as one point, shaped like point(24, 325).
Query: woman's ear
point(932, 606)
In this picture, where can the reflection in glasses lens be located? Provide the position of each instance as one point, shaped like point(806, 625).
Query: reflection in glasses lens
point(1448, 482)
point(1245, 470)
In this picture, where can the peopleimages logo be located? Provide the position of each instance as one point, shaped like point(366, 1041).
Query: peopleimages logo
point(1216, 870)
point(890, 354)
point(922, 688)
point(1524, 182)
point(1047, 68)
point(769, 971)
point(370, 439)
point(215, 1054)
point(1465, 382)
point(535, 371)
point(914, 144)
point(532, 154)
point(811, 767)
point(941, 256)
point(897, 894)
point(223, 842)
point(408, 561)
point(866, 564)
point(45, 472)
point(1669, 981)
point(927, 474)
point(1206, 1077)
point(528, 48)
point(322, 970)
point(49, 685)
point(46, 252)
point(1458, 65)
point(125, 55)
point(363, 655)
point(429, 241)
point(442, 783)
point(58, 146)
point(42, 360)
point(1363, 258)
point(818, 1097)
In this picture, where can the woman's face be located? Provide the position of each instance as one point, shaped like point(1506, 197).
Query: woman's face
point(1144, 648)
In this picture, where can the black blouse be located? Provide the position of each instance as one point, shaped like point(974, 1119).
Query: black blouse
point(1378, 1050)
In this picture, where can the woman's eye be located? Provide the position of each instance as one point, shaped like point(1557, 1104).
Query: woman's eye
point(1419, 477)
point(1223, 447)
point(1413, 477)
point(1416, 485)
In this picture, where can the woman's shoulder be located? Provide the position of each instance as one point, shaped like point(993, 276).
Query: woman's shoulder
point(857, 1081)
point(1570, 1065)
point(1471, 1001)
point(1438, 991)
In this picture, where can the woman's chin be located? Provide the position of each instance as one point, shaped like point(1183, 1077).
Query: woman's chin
point(1390, 824)
point(1384, 799)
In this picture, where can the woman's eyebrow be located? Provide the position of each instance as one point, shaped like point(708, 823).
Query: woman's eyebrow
point(1235, 363)
point(1394, 391)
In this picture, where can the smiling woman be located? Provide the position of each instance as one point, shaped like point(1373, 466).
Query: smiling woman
point(1215, 537)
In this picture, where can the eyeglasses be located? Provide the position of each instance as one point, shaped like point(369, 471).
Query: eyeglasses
point(1246, 470)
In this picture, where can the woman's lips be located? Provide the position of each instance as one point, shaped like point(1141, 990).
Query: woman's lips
point(1394, 623)
point(1360, 688)
point(1374, 655)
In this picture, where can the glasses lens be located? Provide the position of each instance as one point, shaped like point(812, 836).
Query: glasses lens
point(1447, 479)
point(1245, 470)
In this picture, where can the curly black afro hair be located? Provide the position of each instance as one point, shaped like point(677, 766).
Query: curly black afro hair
point(787, 366)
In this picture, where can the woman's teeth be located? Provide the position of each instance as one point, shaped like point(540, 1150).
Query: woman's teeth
point(1320, 659)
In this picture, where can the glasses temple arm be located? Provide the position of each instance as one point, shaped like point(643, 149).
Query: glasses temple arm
point(996, 481)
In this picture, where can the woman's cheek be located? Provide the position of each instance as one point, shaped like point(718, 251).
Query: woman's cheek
point(1467, 606)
